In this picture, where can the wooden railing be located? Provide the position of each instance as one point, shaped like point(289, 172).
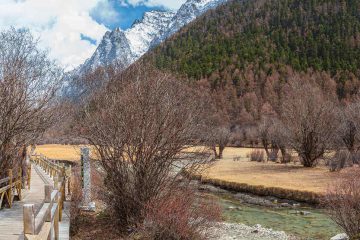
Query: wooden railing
point(12, 185)
point(53, 168)
point(45, 224)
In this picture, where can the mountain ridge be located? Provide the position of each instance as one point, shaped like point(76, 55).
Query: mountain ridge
point(125, 47)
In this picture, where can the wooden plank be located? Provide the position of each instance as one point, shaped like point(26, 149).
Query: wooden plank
point(11, 220)
point(43, 234)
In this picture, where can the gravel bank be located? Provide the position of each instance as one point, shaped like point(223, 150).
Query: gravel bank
point(232, 231)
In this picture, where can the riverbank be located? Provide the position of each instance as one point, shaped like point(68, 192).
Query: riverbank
point(232, 231)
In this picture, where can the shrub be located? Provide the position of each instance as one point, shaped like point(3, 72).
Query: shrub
point(139, 127)
point(286, 158)
point(180, 215)
point(338, 161)
point(76, 199)
point(273, 155)
point(343, 203)
point(257, 155)
point(355, 157)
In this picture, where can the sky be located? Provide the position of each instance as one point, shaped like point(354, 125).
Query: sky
point(71, 29)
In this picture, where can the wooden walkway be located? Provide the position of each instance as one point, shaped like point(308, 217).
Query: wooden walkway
point(11, 219)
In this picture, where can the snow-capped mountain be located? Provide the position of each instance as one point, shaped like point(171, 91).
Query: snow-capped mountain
point(143, 32)
point(114, 45)
point(126, 47)
point(190, 10)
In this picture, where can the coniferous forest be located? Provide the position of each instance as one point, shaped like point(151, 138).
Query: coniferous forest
point(254, 46)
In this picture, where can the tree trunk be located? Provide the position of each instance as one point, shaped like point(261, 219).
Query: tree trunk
point(216, 155)
point(266, 148)
point(221, 150)
point(352, 153)
point(283, 155)
point(308, 161)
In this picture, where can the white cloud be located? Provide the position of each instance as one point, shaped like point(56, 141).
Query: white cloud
point(171, 4)
point(105, 12)
point(59, 24)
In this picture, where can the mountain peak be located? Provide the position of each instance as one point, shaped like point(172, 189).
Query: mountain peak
point(153, 28)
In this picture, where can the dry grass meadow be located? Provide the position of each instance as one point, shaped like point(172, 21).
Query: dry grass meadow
point(60, 152)
point(288, 176)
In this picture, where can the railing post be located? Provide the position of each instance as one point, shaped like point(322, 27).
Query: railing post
point(19, 187)
point(29, 219)
point(29, 176)
point(56, 218)
point(63, 173)
point(56, 182)
point(48, 191)
point(69, 180)
point(9, 194)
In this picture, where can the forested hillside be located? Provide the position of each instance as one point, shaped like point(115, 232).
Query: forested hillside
point(253, 47)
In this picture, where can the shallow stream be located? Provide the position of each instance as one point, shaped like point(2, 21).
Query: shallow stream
point(314, 224)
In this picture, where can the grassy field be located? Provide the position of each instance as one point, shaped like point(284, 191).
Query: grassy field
point(289, 176)
point(60, 152)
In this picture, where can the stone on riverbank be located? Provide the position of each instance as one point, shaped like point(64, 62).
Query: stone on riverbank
point(232, 231)
point(341, 236)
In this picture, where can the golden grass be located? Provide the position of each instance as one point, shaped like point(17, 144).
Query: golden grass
point(287, 176)
point(60, 152)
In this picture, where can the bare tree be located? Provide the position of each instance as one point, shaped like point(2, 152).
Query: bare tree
point(348, 130)
point(271, 134)
point(264, 135)
point(143, 126)
point(217, 121)
point(219, 138)
point(28, 85)
point(309, 121)
point(343, 203)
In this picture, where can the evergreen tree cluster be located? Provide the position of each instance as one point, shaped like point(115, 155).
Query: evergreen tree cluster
point(268, 36)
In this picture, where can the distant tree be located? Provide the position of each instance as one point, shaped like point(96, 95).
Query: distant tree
point(28, 85)
point(271, 135)
point(309, 121)
point(265, 128)
point(217, 119)
point(349, 128)
point(220, 137)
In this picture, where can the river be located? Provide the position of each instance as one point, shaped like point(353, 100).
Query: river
point(304, 222)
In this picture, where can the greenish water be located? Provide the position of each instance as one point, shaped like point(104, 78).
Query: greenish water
point(316, 225)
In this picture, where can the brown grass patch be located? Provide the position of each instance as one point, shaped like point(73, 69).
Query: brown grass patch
point(287, 176)
point(60, 152)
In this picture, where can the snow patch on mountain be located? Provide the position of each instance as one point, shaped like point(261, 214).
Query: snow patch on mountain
point(141, 34)
point(126, 47)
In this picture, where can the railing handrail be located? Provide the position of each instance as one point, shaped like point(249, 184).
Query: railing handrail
point(13, 182)
point(51, 167)
point(45, 224)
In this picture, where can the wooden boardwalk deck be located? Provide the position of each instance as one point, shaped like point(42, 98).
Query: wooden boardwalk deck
point(11, 220)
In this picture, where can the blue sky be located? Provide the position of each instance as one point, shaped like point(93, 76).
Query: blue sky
point(71, 29)
point(125, 14)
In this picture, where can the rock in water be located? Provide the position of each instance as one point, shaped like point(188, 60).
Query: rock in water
point(305, 213)
point(341, 236)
